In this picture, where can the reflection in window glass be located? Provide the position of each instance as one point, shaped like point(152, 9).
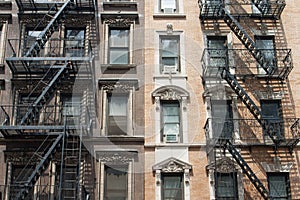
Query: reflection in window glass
point(119, 46)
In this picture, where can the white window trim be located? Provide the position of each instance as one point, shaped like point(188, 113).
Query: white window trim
point(157, 51)
point(172, 165)
point(171, 93)
point(179, 9)
point(130, 183)
point(106, 44)
point(2, 41)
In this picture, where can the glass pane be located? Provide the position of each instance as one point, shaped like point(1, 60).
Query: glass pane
point(119, 56)
point(278, 185)
point(169, 47)
point(116, 179)
point(168, 4)
point(119, 38)
point(75, 34)
point(117, 105)
point(171, 109)
point(172, 187)
point(225, 185)
point(171, 129)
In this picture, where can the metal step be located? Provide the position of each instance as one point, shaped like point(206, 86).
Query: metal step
point(246, 169)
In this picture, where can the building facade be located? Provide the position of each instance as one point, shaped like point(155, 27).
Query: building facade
point(161, 99)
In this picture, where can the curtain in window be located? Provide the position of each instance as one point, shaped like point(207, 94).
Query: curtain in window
point(117, 105)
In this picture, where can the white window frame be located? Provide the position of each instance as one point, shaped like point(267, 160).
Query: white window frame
point(181, 56)
point(107, 40)
point(179, 8)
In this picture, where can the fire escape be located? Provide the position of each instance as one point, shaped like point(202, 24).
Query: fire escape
point(41, 66)
point(215, 11)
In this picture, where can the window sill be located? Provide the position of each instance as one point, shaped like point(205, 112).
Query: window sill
point(168, 75)
point(171, 15)
point(118, 66)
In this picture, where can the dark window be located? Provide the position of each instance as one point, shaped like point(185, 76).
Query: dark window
point(169, 54)
point(2, 84)
point(74, 42)
point(117, 113)
point(119, 46)
point(266, 45)
point(222, 122)
point(2, 69)
point(172, 186)
point(116, 182)
point(19, 175)
point(226, 186)
point(71, 109)
point(170, 121)
point(272, 113)
point(29, 39)
point(279, 186)
point(217, 52)
point(168, 6)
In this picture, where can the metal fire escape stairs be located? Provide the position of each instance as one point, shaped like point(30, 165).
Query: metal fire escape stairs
point(246, 99)
point(26, 186)
point(47, 86)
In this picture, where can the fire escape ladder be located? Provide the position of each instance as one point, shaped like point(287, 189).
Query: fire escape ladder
point(71, 175)
point(47, 32)
point(247, 41)
point(51, 85)
point(239, 90)
point(246, 169)
point(39, 169)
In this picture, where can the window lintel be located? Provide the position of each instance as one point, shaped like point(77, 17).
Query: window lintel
point(172, 165)
point(170, 92)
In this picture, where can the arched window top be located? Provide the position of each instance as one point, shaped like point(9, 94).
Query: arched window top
point(172, 165)
point(170, 92)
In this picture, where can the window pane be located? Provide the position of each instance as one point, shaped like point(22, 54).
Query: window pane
point(116, 179)
point(74, 42)
point(169, 47)
point(119, 38)
point(226, 185)
point(119, 56)
point(168, 4)
point(169, 61)
point(117, 105)
point(278, 185)
point(172, 187)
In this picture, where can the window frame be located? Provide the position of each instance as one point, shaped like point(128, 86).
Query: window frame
point(106, 182)
point(164, 189)
point(233, 183)
point(71, 108)
point(80, 43)
point(177, 58)
point(127, 48)
point(168, 103)
point(285, 175)
point(169, 11)
point(123, 130)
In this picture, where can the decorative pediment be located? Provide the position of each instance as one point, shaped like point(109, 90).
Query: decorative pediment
point(170, 92)
point(172, 165)
point(116, 157)
point(120, 85)
point(118, 20)
point(223, 165)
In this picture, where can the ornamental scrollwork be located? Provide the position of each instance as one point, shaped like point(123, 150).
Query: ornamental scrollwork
point(113, 158)
point(119, 22)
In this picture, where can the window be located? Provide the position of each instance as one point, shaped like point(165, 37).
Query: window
point(119, 0)
point(272, 112)
point(118, 46)
point(24, 101)
point(172, 186)
point(217, 53)
point(30, 38)
point(169, 54)
point(266, 46)
point(222, 122)
point(168, 6)
point(2, 84)
point(226, 186)
point(116, 182)
point(74, 42)
point(71, 109)
point(279, 186)
point(170, 121)
point(20, 174)
point(117, 113)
